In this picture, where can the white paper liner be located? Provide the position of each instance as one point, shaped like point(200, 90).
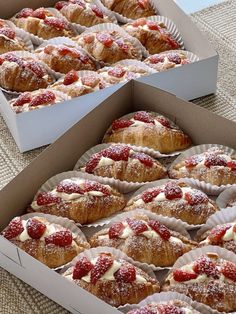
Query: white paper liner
point(113, 27)
point(122, 186)
point(202, 185)
point(163, 297)
point(226, 196)
point(150, 151)
point(136, 63)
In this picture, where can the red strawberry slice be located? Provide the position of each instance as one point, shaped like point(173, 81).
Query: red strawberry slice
point(217, 234)
point(46, 198)
point(116, 152)
point(22, 99)
point(44, 98)
point(231, 164)
point(153, 25)
point(82, 268)
point(64, 51)
point(60, 238)
point(14, 229)
point(61, 4)
point(143, 116)
point(228, 269)
point(35, 67)
point(172, 191)
point(160, 229)
point(181, 275)
point(123, 46)
point(127, 273)
point(139, 22)
point(35, 228)
point(96, 186)
point(204, 265)
point(97, 11)
point(156, 59)
point(26, 12)
point(8, 32)
point(121, 124)
point(93, 162)
point(48, 49)
point(196, 198)
point(1, 60)
point(143, 158)
point(103, 263)
point(70, 77)
point(69, 188)
point(212, 160)
point(172, 42)
point(88, 38)
point(143, 4)
point(56, 23)
point(149, 195)
point(174, 57)
point(40, 13)
point(90, 80)
point(193, 161)
point(105, 39)
point(138, 226)
point(164, 122)
point(116, 230)
point(117, 71)
point(168, 309)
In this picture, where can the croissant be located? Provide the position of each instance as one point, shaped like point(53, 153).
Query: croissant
point(132, 9)
point(175, 199)
point(111, 279)
point(213, 166)
point(108, 46)
point(209, 279)
point(123, 163)
point(148, 129)
point(49, 243)
point(83, 201)
point(23, 74)
point(145, 240)
point(82, 12)
point(42, 23)
point(153, 35)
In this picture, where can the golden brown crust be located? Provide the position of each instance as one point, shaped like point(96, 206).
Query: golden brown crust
point(7, 44)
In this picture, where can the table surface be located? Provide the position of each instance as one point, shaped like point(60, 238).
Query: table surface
point(190, 6)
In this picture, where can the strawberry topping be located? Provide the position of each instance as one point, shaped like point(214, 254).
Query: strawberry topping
point(14, 229)
point(212, 160)
point(61, 4)
point(143, 116)
point(64, 51)
point(46, 198)
point(126, 273)
point(205, 266)
point(153, 25)
point(196, 197)
point(35, 228)
point(193, 161)
point(139, 22)
point(156, 59)
point(174, 57)
point(35, 67)
point(39, 13)
point(93, 162)
point(103, 263)
point(163, 121)
point(70, 77)
point(8, 32)
point(217, 233)
point(163, 232)
point(60, 238)
point(69, 187)
point(105, 39)
point(90, 80)
point(123, 46)
point(22, 99)
point(56, 23)
point(96, 186)
point(169, 309)
point(26, 12)
point(229, 270)
point(97, 11)
point(149, 195)
point(172, 191)
point(232, 164)
point(143, 158)
point(117, 71)
point(180, 275)
point(116, 152)
point(116, 230)
point(82, 268)
point(121, 124)
point(88, 38)
point(138, 226)
point(44, 98)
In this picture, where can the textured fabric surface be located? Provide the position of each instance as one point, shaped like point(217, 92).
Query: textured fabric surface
point(219, 24)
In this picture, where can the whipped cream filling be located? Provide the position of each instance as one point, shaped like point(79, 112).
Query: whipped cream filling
point(229, 235)
point(138, 123)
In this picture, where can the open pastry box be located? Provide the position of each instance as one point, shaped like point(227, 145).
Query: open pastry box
point(40, 127)
point(202, 125)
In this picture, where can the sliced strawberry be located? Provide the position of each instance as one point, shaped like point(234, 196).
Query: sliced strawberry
point(117, 152)
point(149, 195)
point(40, 13)
point(8, 32)
point(1, 60)
point(217, 234)
point(60, 238)
point(174, 57)
point(35, 67)
point(56, 23)
point(70, 77)
point(82, 268)
point(90, 80)
point(126, 273)
point(103, 263)
point(163, 232)
point(117, 71)
point(92, 163)
point(193, 161)
point(26, 12)
point(35, 228)
point(181, 275)
point(143, 158)
point(205, 266)
point(228, 269)
point(61, 4)
point(88, 38)
point(105, 39)
point(116, 230)
point(97, 11)
point(138, 226)
point(156, 59)
point(172, 191)
point(164, 122)
point(64, 51)
point(14, 229)
point(121, 124)
point(153, 25)
point(48, 49)
point(96, 186)
point(172, 42)
point(123, 46)
point(212, 160)
point(196, 198)
point(69, 188)
point(46, 198)
point(44, 98)
point(22, 99)
point(143, 4)
point(168, 309)
point(139, 22)
point(231, 164)
point(144, 117)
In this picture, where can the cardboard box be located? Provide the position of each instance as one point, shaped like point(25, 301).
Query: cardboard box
point(41, 127)
point(202, 125)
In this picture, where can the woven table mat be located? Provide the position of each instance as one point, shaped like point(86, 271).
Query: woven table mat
point(219, 25)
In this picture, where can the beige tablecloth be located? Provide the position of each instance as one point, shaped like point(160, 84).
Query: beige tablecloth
point(219, 25)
